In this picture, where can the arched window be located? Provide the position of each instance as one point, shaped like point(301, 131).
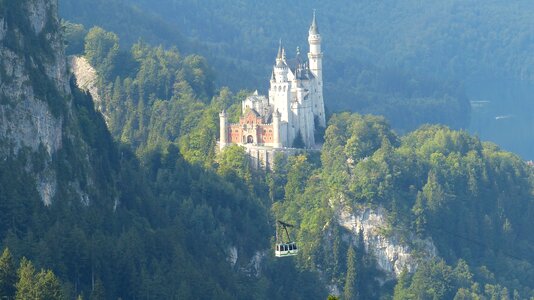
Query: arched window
point(250, 139)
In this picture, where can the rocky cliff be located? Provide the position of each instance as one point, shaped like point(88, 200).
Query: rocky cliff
point(392, 252)
point(37, 108)
point(86, 80)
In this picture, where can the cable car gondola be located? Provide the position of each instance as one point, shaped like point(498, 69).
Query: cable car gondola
point(284, 247)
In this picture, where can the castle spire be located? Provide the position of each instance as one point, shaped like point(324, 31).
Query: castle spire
point(314, 29)
point(280, 50)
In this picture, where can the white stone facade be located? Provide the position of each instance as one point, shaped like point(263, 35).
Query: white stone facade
point(293, 107)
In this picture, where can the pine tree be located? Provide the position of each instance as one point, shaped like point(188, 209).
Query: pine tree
point(8, 275)
point(26, 287)
point(403, 284)
point(350, 292)
point(98, 291)
point(43, 285)
point(336, 251)
point(420, 212)
point(48, 286)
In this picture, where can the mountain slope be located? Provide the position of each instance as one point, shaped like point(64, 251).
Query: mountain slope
point(109, 225)
point(446, 213)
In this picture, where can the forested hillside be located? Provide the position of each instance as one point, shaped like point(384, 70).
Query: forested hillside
point(128, 198)
point(470, 199)
point(415, 62)
point(107, 223)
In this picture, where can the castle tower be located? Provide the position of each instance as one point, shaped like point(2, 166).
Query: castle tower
point(315, 57)
point(276, 129)
point(280, 91)
point(223, 122)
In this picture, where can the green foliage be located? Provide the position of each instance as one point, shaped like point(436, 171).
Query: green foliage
point(436, 182)
point(8, 275)
point(31, 285)
point(435, 280)
point(233, 162)
point(101, 49)
point(350, 292)
point(298, 142)
point(168, 218)
point(158, 97)
point(74, 35)
point(98, 292)
point(164, 209)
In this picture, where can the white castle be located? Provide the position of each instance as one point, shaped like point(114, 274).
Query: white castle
point(294, 109)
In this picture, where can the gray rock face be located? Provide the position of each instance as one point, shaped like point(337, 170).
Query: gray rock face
point(26, 121)
point(391, 253)
point(37, 14)
point(253, 267)
point(86, 80)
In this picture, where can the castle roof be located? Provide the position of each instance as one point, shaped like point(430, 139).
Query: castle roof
point(281, 64)
point(314, 29)
point(249, 111)
point(300, 68)
point(304, 74)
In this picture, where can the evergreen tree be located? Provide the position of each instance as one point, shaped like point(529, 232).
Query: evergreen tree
point(420, 212)
point(48, 286)
point(350, 291)
point(43, 285)
point(26, 286)
point(98, 291)
point(8, 275)
point(401, 289)
point(101, 48)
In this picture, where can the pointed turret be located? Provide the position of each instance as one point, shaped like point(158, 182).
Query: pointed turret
point(315, 60)
point(314, 38)
point(281, 61)
point(314, 29)
point(280, 50)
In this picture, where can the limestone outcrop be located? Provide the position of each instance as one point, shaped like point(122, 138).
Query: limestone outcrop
point(391, 252)
point(36, 102)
